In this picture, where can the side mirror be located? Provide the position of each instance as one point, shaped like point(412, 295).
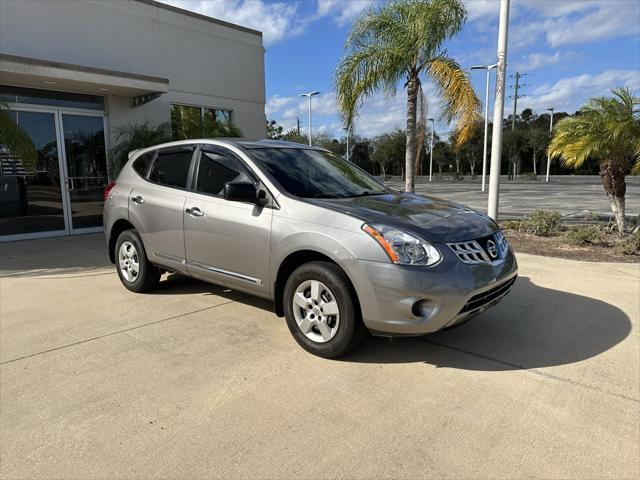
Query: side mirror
point(241, 192)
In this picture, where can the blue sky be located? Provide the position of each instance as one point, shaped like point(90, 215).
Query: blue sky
point(570, 49)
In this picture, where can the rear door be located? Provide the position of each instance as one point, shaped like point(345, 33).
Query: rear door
point(156, 206)
point(226, 242)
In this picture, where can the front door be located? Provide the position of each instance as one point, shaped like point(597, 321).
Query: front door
point(226, 242)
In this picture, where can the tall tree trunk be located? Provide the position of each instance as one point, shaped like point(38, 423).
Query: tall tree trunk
point(410, 157)
point(612, 173)
point(535, 167)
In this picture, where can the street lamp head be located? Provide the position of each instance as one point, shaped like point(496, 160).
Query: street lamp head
point(310, 94)
point(430, 119)
point(484, 67)
point(551, 109)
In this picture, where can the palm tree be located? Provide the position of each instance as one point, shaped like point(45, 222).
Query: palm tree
point(403, 41)
point(15, 141)
point(606, 128)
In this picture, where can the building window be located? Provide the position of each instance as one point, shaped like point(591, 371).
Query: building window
point(188, 122)
point(36, 96)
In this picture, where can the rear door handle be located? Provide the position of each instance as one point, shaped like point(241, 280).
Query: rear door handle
point(195, 212)
point(138, 200)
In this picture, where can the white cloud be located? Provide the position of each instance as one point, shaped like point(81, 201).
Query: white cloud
point(569, 94)
point(538, 60)
point(478, 9)
point(278, 20)
point(274, 20)
point(276, 103)
point(343, 11)
point(610, 19)
point(560, 22)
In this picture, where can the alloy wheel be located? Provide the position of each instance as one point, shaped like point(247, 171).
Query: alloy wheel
point(129, 261)
point(316, 311)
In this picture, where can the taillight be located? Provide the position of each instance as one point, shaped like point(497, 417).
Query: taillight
point(107, 190)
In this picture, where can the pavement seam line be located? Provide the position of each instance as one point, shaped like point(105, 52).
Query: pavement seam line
point(99, 337)
point(533, 371)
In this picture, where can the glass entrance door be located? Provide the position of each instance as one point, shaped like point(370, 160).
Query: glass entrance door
point(60, 190)
point(85, 169)
point(32, 197)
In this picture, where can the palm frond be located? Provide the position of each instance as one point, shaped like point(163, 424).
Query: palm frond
point(607, 128)
point(458, 98)
point(361, 74)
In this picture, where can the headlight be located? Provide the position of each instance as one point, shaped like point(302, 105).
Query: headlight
point(401, 247)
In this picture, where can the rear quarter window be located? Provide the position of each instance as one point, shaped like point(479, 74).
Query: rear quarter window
point(141, 164)
point(171, 167)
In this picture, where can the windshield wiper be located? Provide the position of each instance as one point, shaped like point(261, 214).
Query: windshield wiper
point(366, 193)
point(325, 195)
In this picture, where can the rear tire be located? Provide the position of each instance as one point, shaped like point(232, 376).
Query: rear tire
point(134, 269)
point(321, 310)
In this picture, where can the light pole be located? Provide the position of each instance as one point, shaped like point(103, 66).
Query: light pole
point(550, 109)
point(347, 129)
point(433, 127)
point(310, 94)
point(498, 111)
point(488, 68)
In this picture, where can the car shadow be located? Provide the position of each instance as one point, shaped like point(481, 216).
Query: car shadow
point(532, 327)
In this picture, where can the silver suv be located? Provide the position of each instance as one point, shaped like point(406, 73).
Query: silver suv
point(337, 251)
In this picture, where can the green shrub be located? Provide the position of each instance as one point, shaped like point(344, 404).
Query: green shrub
point(585, 234)
point(512, 225)
point(630, 245)
point(542, 223)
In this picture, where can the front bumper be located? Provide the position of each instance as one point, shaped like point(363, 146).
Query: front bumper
point(403, 300)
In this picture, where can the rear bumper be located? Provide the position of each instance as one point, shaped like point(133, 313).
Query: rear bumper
point(407, 301)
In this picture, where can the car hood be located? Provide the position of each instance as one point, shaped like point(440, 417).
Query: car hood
point(431, 218)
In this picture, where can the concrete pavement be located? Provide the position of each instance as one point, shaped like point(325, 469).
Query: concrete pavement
point(198, 381)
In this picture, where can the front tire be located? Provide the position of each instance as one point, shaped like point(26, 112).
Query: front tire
point(134, 269)
point(321, 310)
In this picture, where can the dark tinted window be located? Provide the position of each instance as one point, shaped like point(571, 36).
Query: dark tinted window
point(47, 97)
point(215, 170)
point(171, 167)
point(141, 164)
point(316, 174)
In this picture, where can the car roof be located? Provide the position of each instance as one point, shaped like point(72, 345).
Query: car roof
point(267, 143)
point(237, 142)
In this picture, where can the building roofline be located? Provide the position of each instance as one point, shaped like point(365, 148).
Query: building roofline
point(80, 68)
point(206, 18)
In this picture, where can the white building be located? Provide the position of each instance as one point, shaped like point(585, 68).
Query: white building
point(75, 71)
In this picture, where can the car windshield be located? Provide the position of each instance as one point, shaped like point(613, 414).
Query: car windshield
point(316, 174)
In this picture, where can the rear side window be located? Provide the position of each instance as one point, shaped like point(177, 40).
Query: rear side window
point(171, 167)
point(141, 164)
point(215, 170)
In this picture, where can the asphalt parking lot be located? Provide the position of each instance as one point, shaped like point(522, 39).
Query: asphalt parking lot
point(197, 381)
point(569, 196)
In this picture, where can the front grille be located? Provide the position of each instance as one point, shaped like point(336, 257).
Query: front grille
point(485, 298)
point(477, 251)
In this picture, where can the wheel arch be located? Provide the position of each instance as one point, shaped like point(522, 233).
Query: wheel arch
point(117, 228)
point(296, 259)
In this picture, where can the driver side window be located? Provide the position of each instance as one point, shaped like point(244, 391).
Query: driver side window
point(216, 169)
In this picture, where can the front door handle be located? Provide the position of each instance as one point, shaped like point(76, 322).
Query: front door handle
point(138, 200)
point(195, 212)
